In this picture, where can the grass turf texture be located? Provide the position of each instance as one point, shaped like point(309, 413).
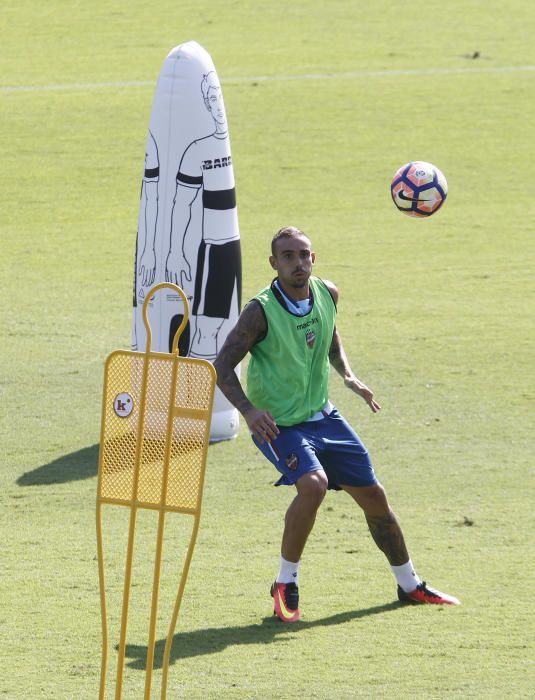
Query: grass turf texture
point(435, 316)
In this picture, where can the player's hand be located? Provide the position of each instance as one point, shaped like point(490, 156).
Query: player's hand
point(362, 390)
point(261, 424)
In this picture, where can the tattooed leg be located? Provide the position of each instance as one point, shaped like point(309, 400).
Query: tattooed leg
point(382, 522)
point(388, 536)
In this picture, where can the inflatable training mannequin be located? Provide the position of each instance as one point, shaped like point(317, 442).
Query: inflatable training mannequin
point(188, 231)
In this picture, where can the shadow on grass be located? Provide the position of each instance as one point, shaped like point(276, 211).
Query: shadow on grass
point(82, 464)
point(75, 466)
point(216, 639)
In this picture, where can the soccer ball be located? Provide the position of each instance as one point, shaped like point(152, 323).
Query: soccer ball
point(419, 189)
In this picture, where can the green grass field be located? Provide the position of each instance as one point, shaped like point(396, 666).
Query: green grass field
point(325, 101)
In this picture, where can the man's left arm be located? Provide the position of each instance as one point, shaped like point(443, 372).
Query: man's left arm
point(338, 360)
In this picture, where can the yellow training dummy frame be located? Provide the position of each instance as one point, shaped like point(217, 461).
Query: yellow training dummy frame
point(156, 413)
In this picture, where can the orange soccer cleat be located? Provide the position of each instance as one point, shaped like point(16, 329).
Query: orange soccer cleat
point(423, 594)
point(286, 601)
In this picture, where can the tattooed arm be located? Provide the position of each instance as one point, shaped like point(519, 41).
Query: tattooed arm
point(338, 360)
point(251, 326)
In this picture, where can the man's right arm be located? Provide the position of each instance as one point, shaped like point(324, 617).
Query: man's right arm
point(249, 329)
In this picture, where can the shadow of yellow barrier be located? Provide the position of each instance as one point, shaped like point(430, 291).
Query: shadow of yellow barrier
point(155, 431)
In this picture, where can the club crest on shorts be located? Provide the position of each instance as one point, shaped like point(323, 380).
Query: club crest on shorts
point(292, 461)
point(310, 338)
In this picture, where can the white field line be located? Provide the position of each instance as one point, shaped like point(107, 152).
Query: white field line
point(277, 78)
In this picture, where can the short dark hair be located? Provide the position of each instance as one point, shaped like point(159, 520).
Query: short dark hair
point(284, 233)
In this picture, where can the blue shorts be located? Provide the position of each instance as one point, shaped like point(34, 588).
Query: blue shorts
point(330, 444)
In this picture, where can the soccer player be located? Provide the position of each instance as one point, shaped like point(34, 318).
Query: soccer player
point(289, 329)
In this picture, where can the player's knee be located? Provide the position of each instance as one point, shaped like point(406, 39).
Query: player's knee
point(313, 486)
point(373, 500)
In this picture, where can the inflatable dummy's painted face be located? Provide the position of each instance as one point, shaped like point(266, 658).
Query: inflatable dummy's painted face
point(215, 104)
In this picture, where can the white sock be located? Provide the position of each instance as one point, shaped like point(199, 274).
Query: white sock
point(288, 572)
point(406, 576)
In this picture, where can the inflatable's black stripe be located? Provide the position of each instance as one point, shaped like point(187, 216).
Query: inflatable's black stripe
point(219, 199)
point(188, 179)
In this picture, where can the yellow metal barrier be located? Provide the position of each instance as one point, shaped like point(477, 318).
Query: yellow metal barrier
point(155, 430)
